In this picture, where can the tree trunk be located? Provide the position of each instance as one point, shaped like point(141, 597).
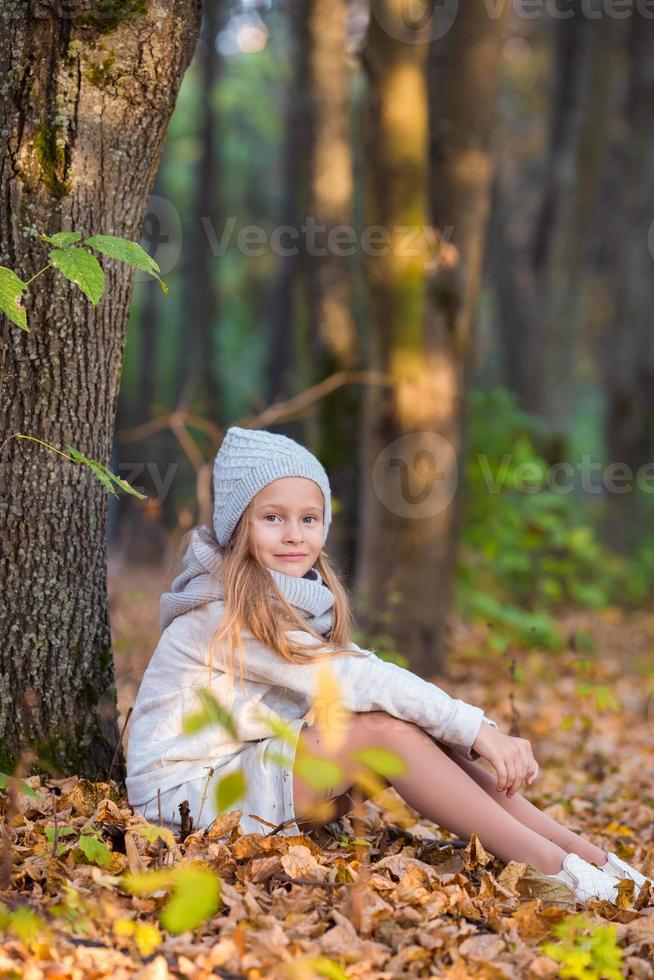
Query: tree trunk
point(464, 68)
point(628, 364)
point(87, 101)
point(422, 305)
point(333, 342)
point(286, 310)
point(395, 536)
point(542, 289)
point(201, 302)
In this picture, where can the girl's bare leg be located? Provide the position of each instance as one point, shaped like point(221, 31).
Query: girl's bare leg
point(434, 785)
point(527, 813)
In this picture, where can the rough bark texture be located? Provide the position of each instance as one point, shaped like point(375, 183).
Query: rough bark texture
point(423, 295)
point(86, 100)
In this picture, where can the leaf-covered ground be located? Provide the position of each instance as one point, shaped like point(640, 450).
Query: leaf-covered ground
point(365, 896)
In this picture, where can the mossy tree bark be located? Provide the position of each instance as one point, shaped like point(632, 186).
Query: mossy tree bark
point(87, 99)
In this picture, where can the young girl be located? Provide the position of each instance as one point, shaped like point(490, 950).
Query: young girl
point(259, 582)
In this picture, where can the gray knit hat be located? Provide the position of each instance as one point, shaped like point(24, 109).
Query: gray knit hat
point(247, 461)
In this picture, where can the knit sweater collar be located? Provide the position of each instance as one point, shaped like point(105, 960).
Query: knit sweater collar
point(198, 584)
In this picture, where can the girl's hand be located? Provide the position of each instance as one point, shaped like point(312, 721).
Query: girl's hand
point(511, 757)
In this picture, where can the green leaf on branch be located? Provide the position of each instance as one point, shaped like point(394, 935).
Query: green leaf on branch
point(11, 304)
point(62, 238)
point(104, 474)
point(129, 252)
point(83, 269)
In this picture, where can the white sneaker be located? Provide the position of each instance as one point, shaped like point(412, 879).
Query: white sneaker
point(585, 880)
point(617, 869)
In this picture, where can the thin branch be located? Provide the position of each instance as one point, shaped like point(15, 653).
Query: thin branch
point(21, 435)
point(268, 416)
point(120, 741)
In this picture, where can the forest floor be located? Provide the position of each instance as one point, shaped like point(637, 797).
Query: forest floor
point(372, 895)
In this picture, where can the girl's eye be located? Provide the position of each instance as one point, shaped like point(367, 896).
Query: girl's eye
point(310, 516)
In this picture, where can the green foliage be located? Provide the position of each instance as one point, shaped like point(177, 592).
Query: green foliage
point(230, 790)
point(129, 252)
point(78, 266)
point(61, 832)
point(317, 772)
point(104, 474)
point(24, 787)
point(211, 713)
point(22, 923)
point(72, 909)
point(604, 696)
point(195, 897)
point(95, 850)
point(382, 761)
point(319, 966)
point(528, 549)
point(11, 303)
point(585, 951)
point(82, 268)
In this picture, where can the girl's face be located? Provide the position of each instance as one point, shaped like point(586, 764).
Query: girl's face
point(287, 525)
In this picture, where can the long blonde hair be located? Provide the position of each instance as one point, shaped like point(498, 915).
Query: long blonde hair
point(250, 608)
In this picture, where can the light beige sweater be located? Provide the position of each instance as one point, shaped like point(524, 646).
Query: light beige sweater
point(161, 756)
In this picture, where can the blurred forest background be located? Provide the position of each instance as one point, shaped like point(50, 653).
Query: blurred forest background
point(507, 155)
